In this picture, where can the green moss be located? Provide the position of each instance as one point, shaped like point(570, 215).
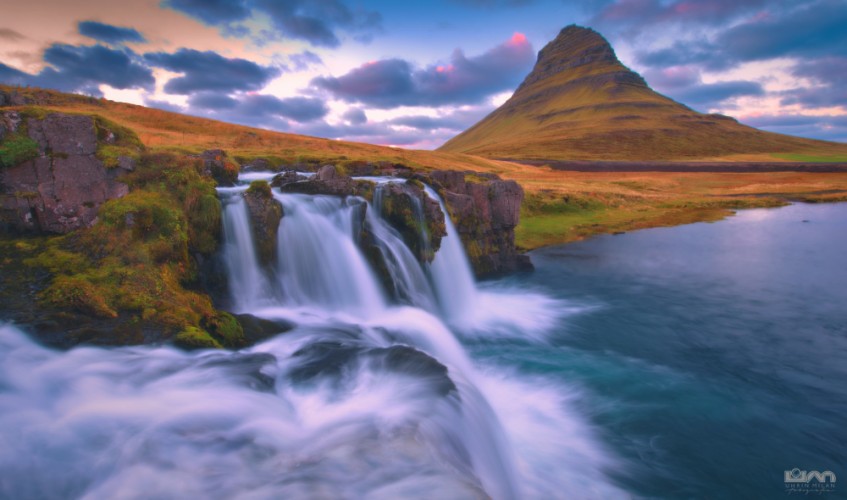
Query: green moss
point(115, 141)
point(110, 155)
point(261, 188)
point(79, 294)
point(17, 149)
point(136, 262)
point(195, 338)
point(226, 330)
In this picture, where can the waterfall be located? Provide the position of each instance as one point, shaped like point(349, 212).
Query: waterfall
point(370, 394)
point(249, 287)
point(452, 275)
point(321, 268)
point(320, 265)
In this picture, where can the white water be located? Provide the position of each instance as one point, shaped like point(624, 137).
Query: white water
point(365, 398)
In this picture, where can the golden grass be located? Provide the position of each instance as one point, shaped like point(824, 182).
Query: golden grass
point(561, 206)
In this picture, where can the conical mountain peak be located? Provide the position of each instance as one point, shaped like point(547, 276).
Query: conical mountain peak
point(580, 102)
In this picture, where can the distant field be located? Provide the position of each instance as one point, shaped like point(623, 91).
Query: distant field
point(568, 206)
point(816, 158)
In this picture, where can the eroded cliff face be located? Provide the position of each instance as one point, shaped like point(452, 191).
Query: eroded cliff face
point(485, 211)
point(51, 179)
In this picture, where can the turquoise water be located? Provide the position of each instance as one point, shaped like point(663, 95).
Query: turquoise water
point(709, 358)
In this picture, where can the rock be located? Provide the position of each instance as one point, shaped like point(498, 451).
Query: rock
point(259, 329)
point(417, 217)
point(257, 165)
point(265, 214)
point(216, 165)
point(287, 177)
point(485, 211)
point(326, 181)
point(62, 188)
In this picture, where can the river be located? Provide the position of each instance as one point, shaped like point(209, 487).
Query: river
point(688, 362)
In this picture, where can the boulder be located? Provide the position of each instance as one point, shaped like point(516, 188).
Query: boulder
point(328, 180)
point(287, 177)
point(485, 211)
point(265, 214)
point(216, 165)
point(417, 217)
point(61, 186)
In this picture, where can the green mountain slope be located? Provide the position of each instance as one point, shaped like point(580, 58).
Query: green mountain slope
point(580, 102)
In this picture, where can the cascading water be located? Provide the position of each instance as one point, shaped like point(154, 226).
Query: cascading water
point(369, 396)
point(249, 287)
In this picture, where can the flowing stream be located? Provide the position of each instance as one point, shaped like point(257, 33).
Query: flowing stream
point(700, 361)
point(371, 395)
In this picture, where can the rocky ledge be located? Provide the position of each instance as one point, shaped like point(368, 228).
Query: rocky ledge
point(484, 209)
point(57, 169)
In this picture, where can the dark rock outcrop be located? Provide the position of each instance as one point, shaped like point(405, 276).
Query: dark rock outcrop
point(327, 180)
point(216, 165)
point(287, 177)
point(265, 214)
point(417, 217)
point(485, 211)
point(62, 185)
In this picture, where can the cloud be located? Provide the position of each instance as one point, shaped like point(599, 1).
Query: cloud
point(490, 4)
point(355, 116)
point(212, 101)
point(710, 95)
point(390, 83)
point(84, 68)
point(684, 84)
point(10, 35)
point(258, 110)
point(813, 29)
point(107, 33)
point(810, 30)
point(827, 127)
point(211, 11)
point(209, 71)
point(163, 105)
point(12, 76)
point(317, 22)
point(625, 13)
point(828, 87)
point(823, 71)
point(303, 61)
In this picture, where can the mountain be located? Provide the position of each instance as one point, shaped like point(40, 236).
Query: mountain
point(581, 103)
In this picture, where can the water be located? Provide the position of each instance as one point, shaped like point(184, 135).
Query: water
point(690, 362)
point(712, 356)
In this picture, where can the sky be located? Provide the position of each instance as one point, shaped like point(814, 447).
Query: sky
point(415, 74)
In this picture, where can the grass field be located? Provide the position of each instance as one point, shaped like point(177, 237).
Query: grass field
point(560, 206)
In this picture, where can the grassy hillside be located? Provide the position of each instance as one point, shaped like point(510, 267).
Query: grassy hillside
point(172, 132)
point(581, 103)
point(561, 206)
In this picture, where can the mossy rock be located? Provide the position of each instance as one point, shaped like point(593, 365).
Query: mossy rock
point(193, 338)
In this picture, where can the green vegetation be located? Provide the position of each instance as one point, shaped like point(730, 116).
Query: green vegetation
point(813, 157)
point(136, 262)
point(17, 149)
point(260, 188)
